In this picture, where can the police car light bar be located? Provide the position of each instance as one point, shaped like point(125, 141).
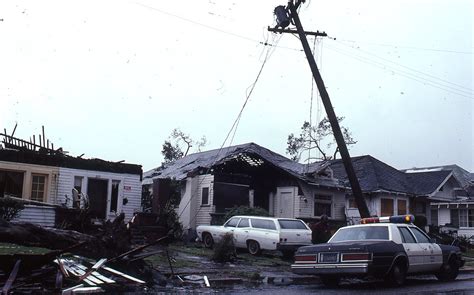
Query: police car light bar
point(391, 219)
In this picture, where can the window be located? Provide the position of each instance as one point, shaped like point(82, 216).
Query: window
point(232, 222)
point(11, 183)
point(420, 236)
point(244, 222)
point(38, 187)
point(114, 195)
point(292, 224)
point(205, 196)
point(322, 205)
point(434, 217)
point(386, 207)
point(407, 236)
point(402, 207)
point(78, 184)
point(462, 217)
point(263, 224)
point(470, 218)
point(361, 233)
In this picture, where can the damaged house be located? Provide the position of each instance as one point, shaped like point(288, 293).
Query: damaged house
point(214, 181)
point(48, 180)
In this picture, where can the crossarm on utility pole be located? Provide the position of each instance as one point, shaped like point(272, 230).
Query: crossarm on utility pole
point(346, 159)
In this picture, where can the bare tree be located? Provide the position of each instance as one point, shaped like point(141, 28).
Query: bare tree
point(179, 144)
point(319, 138)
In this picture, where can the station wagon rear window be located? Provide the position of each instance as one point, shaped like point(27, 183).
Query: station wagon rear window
point(361, 234)
point(264, 224)
point(291, 224)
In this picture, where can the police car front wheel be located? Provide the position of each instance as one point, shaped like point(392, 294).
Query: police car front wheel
point(449, 271)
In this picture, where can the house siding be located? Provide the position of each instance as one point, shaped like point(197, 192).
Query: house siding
point(203, 211)
point(39, 215)
point(130, 188)
point(306, 209)
point(444, 216)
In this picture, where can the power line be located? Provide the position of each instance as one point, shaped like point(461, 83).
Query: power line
point(408, 47)
point(397, 71)
point(411, 69)
point(213, 28)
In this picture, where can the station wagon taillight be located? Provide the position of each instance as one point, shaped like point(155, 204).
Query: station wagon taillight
point(305, 258)
point(356, 257)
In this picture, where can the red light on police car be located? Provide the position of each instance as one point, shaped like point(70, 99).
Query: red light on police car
point(369, 220)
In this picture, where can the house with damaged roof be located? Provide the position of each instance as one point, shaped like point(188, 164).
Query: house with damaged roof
point(49, 182)
point(214, 181)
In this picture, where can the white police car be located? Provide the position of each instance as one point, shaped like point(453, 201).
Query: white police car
point(385, 247)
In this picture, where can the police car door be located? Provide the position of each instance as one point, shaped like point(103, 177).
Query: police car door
point(433, 256)
point(414, 251)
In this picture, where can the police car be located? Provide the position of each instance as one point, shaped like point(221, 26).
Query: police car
point(385, 247)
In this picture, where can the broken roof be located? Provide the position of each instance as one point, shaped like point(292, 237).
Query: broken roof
point(180, 168)
point(21, 155)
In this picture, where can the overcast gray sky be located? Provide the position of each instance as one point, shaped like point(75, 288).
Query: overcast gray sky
point(111, 79)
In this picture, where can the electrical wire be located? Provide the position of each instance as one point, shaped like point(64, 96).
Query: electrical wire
point(213, 28)
point(399, 72)
point(233, 128)
point(400, 65)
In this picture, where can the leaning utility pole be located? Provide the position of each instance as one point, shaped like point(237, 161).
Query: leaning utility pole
point(283, 21)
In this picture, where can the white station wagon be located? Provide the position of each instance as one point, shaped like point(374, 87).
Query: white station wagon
point(258, 233)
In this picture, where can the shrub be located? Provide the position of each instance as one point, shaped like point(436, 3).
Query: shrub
point(9, 208)
point(224, 250)
point(245, 210)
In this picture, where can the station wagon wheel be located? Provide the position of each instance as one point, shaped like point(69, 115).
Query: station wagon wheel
point(208, 240)
point(449, 271)
point(253, 247)
point(397, 275)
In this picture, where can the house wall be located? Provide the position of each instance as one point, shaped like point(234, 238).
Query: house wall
point(447, 190)
point(39, 215)
point(51, 174)
point(130, 188)
point(190, 211)
point(444, 216)
point(305, 203)
point(374, 204)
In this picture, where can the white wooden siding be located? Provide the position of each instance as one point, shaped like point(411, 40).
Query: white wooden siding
point(39, 215)
point(466, 232)
point(132, 181)
point(306, 209)
point(203, 212)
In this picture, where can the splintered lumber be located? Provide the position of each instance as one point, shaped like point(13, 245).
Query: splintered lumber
point(97, 275)
point(68, 291)
point(87, 290)
point(118, 273)
point(95, 267)
point(11, 278)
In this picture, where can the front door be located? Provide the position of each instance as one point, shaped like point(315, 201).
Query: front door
point(97, 192)
point(286, 199)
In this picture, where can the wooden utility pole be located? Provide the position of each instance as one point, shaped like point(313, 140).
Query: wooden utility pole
point(341, 144)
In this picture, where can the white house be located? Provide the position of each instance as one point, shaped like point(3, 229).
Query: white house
point(45, 178)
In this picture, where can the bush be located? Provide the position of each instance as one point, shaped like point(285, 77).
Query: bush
point(224, 250)
point(245, 210)
point(9, 208)
point(169, 218)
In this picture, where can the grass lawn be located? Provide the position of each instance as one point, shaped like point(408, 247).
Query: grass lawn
point(8, 248)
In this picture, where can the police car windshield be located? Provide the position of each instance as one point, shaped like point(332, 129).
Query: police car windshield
point(361, 233)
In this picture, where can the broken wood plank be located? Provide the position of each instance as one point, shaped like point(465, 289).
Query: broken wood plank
point(61, 267)
point(11, 278)
point(87, 290)
point(116, 272)
point(206, 282)
point(98, 275)
point(95, 267)
point(59, 280)
point(68, 291)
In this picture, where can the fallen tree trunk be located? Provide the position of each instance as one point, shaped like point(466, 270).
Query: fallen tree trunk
point(110, 242)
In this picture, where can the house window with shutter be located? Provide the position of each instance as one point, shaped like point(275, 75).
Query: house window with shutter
point(402, 207)
point(386, 207)
point(205, 196)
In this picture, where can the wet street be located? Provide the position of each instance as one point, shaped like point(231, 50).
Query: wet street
point(414, 285)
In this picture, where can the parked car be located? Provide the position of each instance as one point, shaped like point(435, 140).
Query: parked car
point(386, 247)
point(258, 233)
